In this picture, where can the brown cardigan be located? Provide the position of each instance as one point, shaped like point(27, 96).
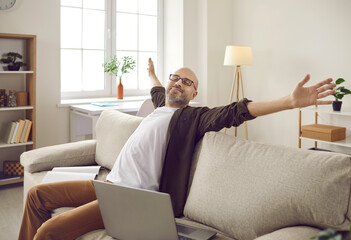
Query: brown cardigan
point(187, 126)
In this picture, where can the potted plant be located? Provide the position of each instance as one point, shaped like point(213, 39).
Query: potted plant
point(339, 94)
point(11, 59)
point(118, 68)
point(327, 234)
point(331, 234)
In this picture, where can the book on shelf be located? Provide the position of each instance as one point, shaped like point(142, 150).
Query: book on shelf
point(105, 104)
point(25, 128)
point(9, 129)
point(14, 133)
point(59, 174)
point(27, 132)
point(19, 131)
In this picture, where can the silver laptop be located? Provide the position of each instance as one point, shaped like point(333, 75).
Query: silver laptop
point(137, 214)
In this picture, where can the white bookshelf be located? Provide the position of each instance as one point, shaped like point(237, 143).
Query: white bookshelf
point(16, 72)
point(5, 145)
point(343, 143)
point(16, 108)
point(324, 110)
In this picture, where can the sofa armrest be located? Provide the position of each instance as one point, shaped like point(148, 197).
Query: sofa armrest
point(69, 154)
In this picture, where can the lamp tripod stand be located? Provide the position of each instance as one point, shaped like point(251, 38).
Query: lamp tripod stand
point(238, 82)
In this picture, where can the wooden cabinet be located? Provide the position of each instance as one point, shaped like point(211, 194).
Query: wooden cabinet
point(24, 80)
point(317, 112)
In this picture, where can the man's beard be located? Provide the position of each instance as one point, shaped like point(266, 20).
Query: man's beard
point(179, 100)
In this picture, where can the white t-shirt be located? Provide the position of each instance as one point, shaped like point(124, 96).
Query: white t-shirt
point(139, 164)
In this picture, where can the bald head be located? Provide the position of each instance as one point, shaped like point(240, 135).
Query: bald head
point(187, 73)
point(179, 93)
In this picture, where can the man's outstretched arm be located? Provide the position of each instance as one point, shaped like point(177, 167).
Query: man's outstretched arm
point(154, 80)
point(300, 97)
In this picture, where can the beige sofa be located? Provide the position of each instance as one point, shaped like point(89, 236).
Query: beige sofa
point(242, 189)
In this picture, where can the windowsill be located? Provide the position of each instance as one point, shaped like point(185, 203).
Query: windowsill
point(69, 102)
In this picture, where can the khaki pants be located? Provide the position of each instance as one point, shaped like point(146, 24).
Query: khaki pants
point(42, 199)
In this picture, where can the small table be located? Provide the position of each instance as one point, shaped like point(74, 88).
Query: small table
point(83, 118)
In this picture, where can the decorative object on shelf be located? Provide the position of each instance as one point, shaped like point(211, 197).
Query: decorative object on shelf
point(324, 132)
point(237, 56)
point(13, 168)
point(11, 99)
point(117, 68)
point(3, 98)
point(340, 93)
point(21, 99)
point(11, 59)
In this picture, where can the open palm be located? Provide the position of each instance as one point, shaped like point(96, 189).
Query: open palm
point(306, 96)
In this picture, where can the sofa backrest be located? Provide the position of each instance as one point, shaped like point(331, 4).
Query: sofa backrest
point(113, 129)
point(248, 189)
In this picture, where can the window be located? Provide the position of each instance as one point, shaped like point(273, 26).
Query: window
point(93, 31)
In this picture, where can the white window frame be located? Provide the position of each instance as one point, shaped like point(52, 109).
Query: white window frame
point(110, 50)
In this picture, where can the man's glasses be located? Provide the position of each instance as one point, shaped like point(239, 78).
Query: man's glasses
point(185, 81)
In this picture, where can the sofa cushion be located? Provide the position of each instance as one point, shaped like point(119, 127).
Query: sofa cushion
point(113, 129)
point(249, 189)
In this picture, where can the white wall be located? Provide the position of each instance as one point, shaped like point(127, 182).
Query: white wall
point(173, 37)
point(220, 34)
point(41, 18)
point(290, 39)
point(195, 43)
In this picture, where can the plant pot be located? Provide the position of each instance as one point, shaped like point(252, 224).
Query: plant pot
point(337, 105)
point(13, 67)
point(120, 89)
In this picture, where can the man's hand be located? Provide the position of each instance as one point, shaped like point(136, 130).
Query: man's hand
point(151, 68)
point(152, 75)
point(300, 97)
point(306, 96)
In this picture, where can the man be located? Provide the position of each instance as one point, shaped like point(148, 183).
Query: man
point(159, 160)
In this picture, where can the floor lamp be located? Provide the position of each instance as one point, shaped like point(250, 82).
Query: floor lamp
point(237, 56)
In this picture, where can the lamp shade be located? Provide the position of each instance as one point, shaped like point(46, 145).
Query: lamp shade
point(237, 55)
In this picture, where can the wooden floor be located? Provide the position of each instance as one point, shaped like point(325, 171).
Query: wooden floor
point(11, 208)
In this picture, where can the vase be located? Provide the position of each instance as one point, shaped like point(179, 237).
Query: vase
point(3, 98)
point(120, 89)
point(11, 99)
point(337, 105)
point(21, 99)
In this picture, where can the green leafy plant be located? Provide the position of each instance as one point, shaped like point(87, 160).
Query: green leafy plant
point(327, 234)
point(340, 91)
point(11, 59)
point(118, 68)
